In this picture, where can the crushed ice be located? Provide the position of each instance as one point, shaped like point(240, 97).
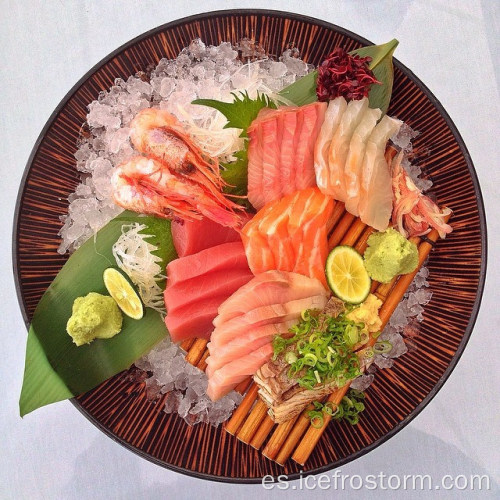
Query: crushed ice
point(184, 386)
point(200, 71)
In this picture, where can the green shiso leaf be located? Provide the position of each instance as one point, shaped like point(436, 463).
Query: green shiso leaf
point(56, 368)
point(240, 114)
point(235, 173)
point(242, 111)
point(303, 91)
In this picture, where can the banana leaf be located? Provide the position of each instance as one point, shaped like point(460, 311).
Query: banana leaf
point(303, 91)
point(55, 368)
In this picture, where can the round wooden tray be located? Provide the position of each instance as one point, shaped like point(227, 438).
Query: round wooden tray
point(119, 406)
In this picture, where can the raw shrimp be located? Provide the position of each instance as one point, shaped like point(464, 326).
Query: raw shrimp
point(159, 135)
point(147, 186)
point(174, 179)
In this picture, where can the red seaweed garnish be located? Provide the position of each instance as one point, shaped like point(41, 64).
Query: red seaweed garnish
point(342, 74)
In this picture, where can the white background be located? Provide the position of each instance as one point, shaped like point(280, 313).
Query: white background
point(47, 46)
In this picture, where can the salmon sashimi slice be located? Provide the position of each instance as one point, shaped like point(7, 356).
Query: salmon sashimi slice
point(240, 346)
point(281, 151)
point(354, 161)
point(375, 205)
point(267, 288)
point(217, 283)
point(194, 319)
point(281, 231)
point(255, 166)
point(265, 315)
point(230, 375)
point(313, 248)
point(275, 226)
point(333, 114)
point(339, 147)
point(287, 151)
point(312, 119)
point(225, 256)
point(270, 160)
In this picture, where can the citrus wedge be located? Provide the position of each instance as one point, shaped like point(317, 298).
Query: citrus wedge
point(346, 275)
point(121, 290)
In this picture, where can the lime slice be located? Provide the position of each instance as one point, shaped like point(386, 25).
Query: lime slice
point(346, 275)
point(121, 290)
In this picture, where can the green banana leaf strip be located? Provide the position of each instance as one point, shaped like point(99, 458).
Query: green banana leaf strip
point(303, 91)
point(56, 368)
point(383, 69)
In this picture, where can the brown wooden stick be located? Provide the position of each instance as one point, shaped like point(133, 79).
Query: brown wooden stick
point(186, 345)
point(263, 431)
point(340, 230)
point(243, 386)
point(252, 422)
point(362, 243)
point(312, 436)
point(202, 364)
point(337, 213)
point(301, 425)
point(353, 233)
point(234, 423)
point(196, 352)
point(276, 441)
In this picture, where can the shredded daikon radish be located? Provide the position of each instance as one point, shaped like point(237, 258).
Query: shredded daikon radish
point(134, 256)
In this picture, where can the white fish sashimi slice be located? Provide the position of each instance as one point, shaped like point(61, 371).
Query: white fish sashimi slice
point(339, 147)
point(333, 115)
point(375, 204)
point(354, 161)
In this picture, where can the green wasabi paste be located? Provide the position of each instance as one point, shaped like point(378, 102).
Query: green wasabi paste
point(94, 316)
point(388, 254)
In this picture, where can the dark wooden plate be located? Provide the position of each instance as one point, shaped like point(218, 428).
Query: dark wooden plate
point(457, 265)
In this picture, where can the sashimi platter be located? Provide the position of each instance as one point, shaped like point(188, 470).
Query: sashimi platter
point(249, 243)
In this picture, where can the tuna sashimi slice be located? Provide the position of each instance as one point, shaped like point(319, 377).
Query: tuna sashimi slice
point(217, 283)
point(276, 313)
point(225, 256)
point(229, 376)
point(193, 236)
point(268, 288)
point(193, 320)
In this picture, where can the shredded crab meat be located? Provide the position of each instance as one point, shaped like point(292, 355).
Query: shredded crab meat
point(134, 256)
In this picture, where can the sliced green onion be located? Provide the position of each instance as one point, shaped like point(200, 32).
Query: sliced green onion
point(290, 357)
point(317, 419)
point(318, 378)
point(310, 359)
point(382, 346)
